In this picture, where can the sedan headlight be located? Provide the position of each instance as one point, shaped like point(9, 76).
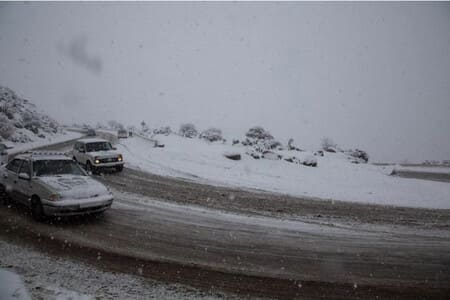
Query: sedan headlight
point(54, 197)
point(96, 160)
point(119, 158)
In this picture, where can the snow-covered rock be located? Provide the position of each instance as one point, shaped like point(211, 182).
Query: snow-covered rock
point(232, 155)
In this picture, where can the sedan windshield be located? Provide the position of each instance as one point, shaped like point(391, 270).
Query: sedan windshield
point(56, 167)
point(98, 146)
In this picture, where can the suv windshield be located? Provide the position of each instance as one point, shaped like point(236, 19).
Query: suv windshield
point(56, 167)
point(98, 146)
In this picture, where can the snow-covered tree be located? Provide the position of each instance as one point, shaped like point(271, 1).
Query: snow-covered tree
point(144, 127)
point(188, 130)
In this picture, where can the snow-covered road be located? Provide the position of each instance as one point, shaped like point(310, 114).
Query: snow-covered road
point(195, 240)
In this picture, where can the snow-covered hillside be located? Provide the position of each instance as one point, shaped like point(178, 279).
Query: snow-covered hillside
point(23, 127)
point(20, 120)
point(334, 178)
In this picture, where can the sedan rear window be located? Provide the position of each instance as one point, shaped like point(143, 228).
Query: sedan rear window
point(56, 167)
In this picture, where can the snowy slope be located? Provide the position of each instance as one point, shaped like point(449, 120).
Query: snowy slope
point(334, 178)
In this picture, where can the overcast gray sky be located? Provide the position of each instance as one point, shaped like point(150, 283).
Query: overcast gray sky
point(369, 75)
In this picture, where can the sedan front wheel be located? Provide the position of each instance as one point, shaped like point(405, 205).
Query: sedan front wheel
point(37, 211)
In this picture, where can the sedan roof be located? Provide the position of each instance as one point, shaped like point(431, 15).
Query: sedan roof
point(43, 155)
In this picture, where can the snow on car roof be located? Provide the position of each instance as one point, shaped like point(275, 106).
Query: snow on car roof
point(93, 140)
point(44, 155)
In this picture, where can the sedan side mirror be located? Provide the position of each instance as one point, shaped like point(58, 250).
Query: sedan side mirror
point(24, 176)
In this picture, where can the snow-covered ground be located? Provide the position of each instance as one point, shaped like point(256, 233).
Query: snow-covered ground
point(335, 177)
point(46, 277)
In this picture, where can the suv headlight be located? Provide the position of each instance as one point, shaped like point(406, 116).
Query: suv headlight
point(120, 158)
point(54, 197)
point(96, 160)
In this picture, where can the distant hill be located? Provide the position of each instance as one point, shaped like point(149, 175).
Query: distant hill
point(20, 121)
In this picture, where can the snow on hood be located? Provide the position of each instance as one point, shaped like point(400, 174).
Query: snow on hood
point(108, 154)
point(74, 186)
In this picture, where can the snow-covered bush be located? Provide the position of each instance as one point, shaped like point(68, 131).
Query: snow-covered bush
point(309, 161)
point(260, 140)
point(271, 155)
point(359, 155)
point(319, 153)
point(188, 130)
point(291, 146)
point(329, 145)
point(211, 134)
point(258, 133)
point(7, 110)
point(271, 144)
point(6, 129)
point(166, 130)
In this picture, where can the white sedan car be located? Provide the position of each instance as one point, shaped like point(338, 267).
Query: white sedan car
point(52, 184)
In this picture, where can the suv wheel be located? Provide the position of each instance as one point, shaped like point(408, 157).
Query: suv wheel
point(90, 168)
point(36, 209)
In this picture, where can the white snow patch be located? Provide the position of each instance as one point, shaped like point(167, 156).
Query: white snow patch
point(12, 287)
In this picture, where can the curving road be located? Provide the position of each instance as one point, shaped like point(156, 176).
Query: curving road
point(315, 251)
